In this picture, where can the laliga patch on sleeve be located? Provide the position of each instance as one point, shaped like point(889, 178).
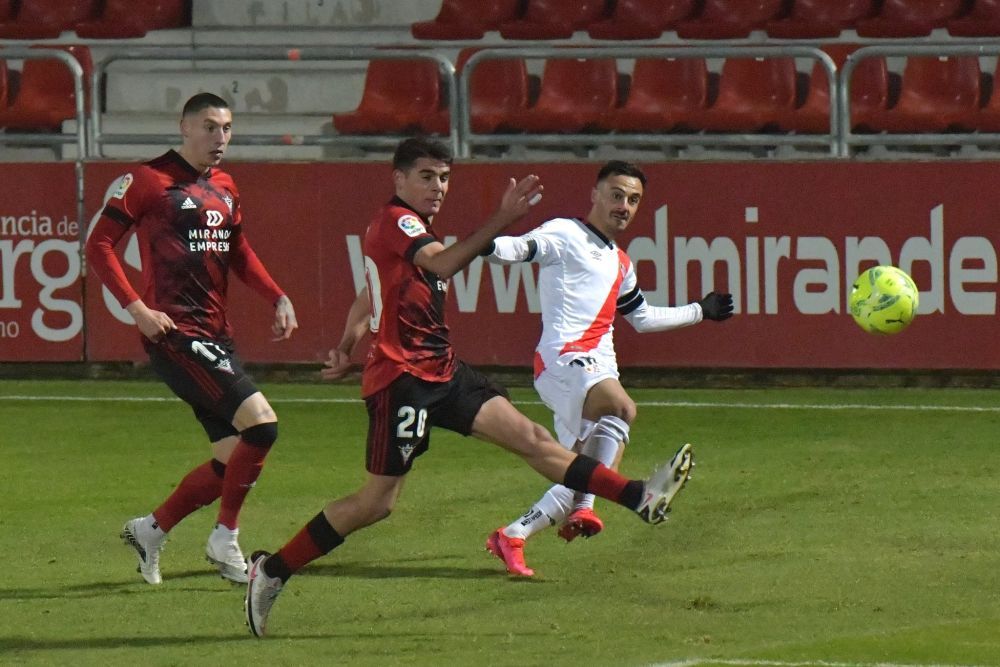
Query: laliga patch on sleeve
point(123, 184)
point(411, 225)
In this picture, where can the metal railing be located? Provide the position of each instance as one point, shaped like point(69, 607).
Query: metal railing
point(850, 139)
point(79, 137)
point(261, 54)
point(469, 138)
point(841, 139)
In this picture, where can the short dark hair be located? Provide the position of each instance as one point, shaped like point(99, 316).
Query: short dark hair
point(410, 150)
point(203, 101)
point(621, 168)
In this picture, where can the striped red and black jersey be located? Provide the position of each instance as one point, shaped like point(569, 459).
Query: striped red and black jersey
point(407, 302)
point(190, 233)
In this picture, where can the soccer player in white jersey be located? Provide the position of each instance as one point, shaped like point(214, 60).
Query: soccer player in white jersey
point(584, 279)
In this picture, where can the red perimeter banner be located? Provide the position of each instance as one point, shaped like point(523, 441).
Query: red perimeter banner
point(787, 239)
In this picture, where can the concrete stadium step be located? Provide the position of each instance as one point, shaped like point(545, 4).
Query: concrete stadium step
point(311, 13)
point(290, 127)
point(159, 86)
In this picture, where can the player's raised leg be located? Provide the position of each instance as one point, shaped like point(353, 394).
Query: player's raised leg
point(501, 423)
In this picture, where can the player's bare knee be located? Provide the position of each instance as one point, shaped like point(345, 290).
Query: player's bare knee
point(629, 412)
point(624, 410)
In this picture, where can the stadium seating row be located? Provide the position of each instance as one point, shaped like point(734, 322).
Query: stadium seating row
point(589, 95)
point(749, 95)
point(708, 19)
point(42, 96)
point(90, 19)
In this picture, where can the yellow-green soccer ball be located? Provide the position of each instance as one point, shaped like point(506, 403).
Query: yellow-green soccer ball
point(884, 300)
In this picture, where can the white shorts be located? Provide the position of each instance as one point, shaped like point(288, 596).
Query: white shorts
point(563, 387)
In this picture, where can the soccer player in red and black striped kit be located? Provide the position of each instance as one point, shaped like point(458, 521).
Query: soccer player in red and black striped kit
point(186, 214)
point(412, 380)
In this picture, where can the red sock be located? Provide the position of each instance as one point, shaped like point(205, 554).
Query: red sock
point(300, 550)
point(199, 487)
point(587, 474)
point(606, 483)
point(316, 539)
point(242, 471)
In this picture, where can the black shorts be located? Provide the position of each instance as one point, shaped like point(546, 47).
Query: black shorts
point(400, 416)
point(207, 375)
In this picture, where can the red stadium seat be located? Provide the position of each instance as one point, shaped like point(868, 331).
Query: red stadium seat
point(575, 95)
point(46, 97)
point(467, 19)
point(909, 18)
point(982, 21)
point(4, 85)
point(869, 92)
point(810, 19)
point(664, 95)
point(641, 19)
point(813, 117)
point(554, 19)
point(730, 19)
point(937, 94)
point(988, 118)
point(753, 94)
point(123, 19)
point(497, 89)
point(398, 95)
point(46, 19)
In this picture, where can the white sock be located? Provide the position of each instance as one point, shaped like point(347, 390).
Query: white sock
point(550, 509)
point(602, 444)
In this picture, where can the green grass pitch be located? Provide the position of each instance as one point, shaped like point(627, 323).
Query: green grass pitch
point(822, 527)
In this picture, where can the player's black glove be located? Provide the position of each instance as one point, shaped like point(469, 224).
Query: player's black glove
point(717, 306)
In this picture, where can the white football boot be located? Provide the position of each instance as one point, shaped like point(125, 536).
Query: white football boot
point(143, 535)
point(223, 551)
point(262, 591)
point(664, 484)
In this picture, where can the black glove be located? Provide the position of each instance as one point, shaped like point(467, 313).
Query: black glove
point(717, 306)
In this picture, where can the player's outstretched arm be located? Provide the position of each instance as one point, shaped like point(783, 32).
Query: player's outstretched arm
point(515, 203)
point(355, 330)
point(645, 318)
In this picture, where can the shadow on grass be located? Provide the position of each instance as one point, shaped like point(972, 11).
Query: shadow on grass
point(388, 571)
point(402, 569)
point(134, 586)
point(31, 644)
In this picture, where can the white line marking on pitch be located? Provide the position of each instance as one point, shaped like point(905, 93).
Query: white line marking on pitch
point(694, 662)
point(656, 404)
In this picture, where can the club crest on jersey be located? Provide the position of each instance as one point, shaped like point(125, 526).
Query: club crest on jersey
point(123, 184)
point(406, 451)
point(229, 202)
point(411, 225)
